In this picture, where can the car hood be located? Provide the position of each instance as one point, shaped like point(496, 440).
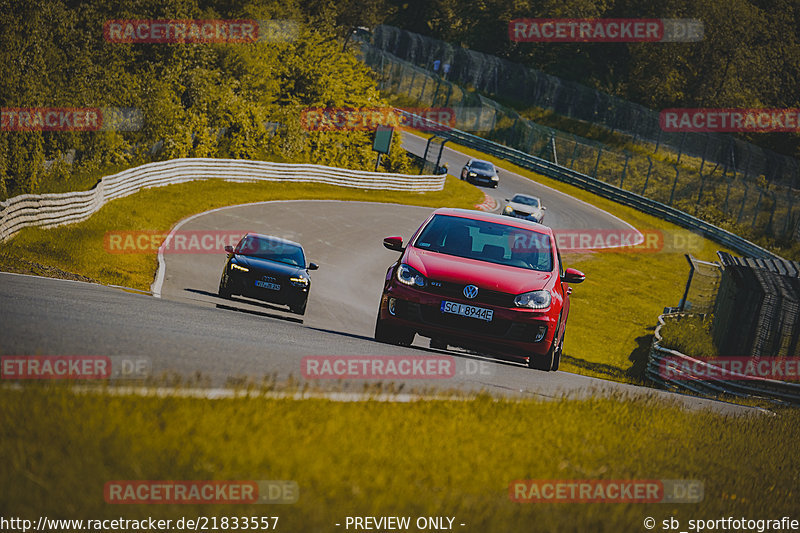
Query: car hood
point(491, 276)
point(267, 265)
point(523, 208)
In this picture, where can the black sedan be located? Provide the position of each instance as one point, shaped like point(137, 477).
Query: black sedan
point(269, 269)
point(480, 172)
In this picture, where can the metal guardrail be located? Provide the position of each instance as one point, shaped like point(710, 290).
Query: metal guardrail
point(705, 384)
point(48, 210)
point(572, 177)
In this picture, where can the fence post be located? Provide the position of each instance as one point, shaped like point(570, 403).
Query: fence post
point(624, 171)
point(574, 152)
point(647, 179)
point(597, 163)
point(674, 184)
point(744, 199)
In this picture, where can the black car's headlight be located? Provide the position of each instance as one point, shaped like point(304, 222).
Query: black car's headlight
point(409, 276)
point(472, 174)
point(534, 299)
point(508, 210)
point(495, 178)
point(299, 281)
point(235, 266)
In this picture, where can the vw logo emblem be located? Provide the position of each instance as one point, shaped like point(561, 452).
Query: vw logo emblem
point(470, 291)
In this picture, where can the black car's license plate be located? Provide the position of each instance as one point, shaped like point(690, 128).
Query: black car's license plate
point(268, 285)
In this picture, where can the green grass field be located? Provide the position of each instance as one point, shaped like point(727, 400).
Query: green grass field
point(376, 458)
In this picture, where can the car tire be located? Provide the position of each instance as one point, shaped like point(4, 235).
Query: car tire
point(389, 334)
point(299, 309)
point(557, 354)
point(548, 362)
point(223, 291)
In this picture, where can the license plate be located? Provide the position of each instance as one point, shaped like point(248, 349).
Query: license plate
point(467, 310)
point(268, 285)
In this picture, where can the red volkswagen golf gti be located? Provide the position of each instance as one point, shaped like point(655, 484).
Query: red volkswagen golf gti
point(479, 281)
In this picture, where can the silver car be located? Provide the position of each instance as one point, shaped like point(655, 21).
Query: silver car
point(525, 206)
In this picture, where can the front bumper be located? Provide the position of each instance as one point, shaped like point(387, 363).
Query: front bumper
point(512, 331)
point(243, 284)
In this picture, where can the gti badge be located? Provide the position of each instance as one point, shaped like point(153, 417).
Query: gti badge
point(470, 291)
point(268, 278)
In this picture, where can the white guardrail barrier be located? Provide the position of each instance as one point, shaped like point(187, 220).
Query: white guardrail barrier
point(48, 210)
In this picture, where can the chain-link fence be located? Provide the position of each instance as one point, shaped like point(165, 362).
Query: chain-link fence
point(723, 193)
point(515, 82)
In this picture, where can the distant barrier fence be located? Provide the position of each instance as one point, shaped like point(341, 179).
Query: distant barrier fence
point(677, 371)
point(737, 188)
point(48, 210)
point(605, 190)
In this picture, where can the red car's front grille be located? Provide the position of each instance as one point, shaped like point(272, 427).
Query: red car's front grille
point(456, 290)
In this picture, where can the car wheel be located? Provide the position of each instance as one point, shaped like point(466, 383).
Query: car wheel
point(558, 352)
point(550, 360)
point(299, 309)
point(389, 334)
point(223, 290)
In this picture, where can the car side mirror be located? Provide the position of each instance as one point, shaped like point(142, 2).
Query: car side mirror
point(313, 266)
point(394, 243)
point(506, 199)
point(544, 208)
point(229, 249)
point(572, 275)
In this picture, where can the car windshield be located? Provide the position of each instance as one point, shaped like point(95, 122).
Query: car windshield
point(526, 200)
point(482, 165)
point(487, 241)
point(273, 249)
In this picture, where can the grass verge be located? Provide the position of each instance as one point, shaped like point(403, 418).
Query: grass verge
point(372, 458)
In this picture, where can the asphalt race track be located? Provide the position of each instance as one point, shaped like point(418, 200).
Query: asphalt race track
point(189, 329)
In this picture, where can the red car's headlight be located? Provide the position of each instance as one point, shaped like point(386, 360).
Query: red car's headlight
point(409, 276)
point(534, 299)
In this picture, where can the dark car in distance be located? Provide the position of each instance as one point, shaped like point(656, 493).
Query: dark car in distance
point(480, 281)
point(480, 172)
point(267, 268)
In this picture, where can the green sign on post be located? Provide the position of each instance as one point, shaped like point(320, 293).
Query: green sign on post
point(383, 140)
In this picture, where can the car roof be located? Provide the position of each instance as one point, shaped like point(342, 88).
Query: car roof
point(481, 161)
point(525, 195)
point(491, 217)
point(272, 237)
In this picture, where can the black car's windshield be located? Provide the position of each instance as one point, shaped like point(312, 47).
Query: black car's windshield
point(482, 165)
point(272, 249)
point(526, 200)
point(487, 241)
